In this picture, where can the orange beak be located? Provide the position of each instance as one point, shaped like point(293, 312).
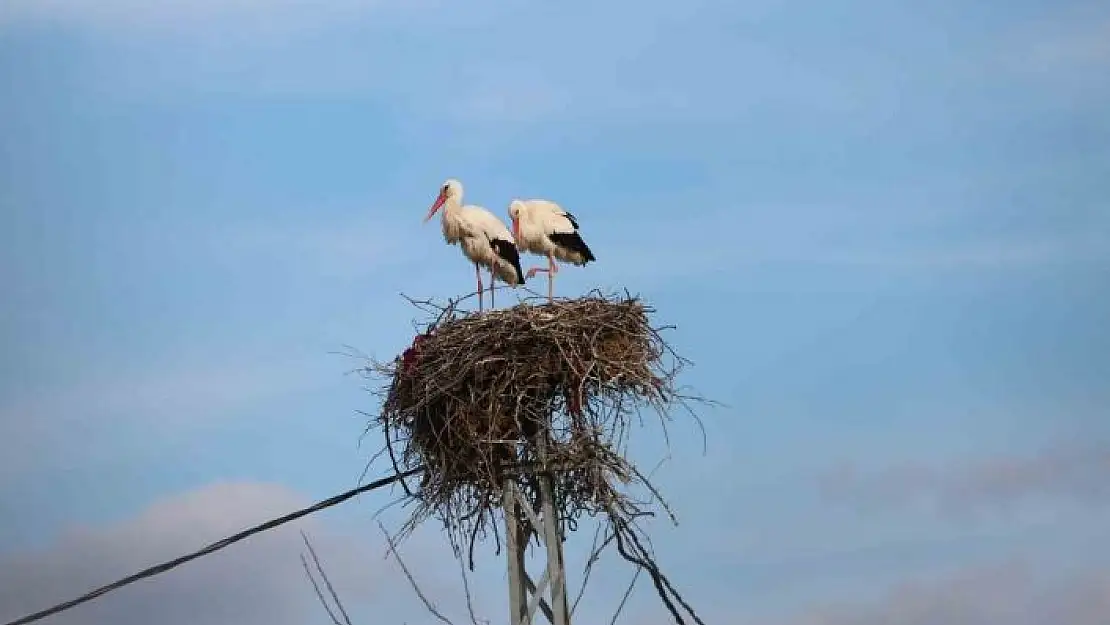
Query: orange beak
point(516, 230)
point(440, 199)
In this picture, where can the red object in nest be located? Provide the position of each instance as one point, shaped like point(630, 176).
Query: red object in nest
point(574, 401)
point(411, 356)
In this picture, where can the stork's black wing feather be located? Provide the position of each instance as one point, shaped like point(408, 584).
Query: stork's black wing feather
point(508, 251)
point(573, 242)
point(571, 219)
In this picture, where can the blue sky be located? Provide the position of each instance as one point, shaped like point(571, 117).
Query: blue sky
point(881, 229)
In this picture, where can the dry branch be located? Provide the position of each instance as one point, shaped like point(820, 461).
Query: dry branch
point(412, 580)
point(327, 583)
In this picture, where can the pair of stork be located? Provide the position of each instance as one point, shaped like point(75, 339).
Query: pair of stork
point(539, 226)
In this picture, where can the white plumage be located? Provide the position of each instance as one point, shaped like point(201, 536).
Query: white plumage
point(483, 237)
point(543, 227)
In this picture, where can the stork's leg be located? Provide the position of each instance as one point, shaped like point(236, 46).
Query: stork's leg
point(552, 269)
point(478, 274)
point(492, 287)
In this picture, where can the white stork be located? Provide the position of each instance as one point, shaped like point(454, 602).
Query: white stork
point(484, 239)
point(544, 228)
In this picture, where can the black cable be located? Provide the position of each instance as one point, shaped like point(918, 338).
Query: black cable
point(216, 546)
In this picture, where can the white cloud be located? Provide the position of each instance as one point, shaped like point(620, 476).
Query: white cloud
point(259, 580)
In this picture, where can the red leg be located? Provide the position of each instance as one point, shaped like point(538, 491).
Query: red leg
point(478, 273)
point(552, 269)
point(492, 287)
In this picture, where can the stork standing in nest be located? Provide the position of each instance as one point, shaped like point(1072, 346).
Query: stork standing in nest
point(483, 237)
point(543, 227)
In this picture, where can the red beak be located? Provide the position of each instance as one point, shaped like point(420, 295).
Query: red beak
point(516, 231)
point(439, 202)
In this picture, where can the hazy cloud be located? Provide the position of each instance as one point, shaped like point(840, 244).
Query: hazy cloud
point(347, 249)
point(1010, 593)
point(1066, 54)
point(843, 236)
point(1076, 474)
point(148, 18)
point(1086, 44)
point(258, 581)
point(181, 397)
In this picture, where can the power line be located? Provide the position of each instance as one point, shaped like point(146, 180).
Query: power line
point(216, 546)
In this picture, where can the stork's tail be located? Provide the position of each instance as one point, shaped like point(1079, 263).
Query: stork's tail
point(589, 254)
point(515, 260)
point(573, 245)
point(507, 251)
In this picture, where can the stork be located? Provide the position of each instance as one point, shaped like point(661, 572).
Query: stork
point(483, 237)
point(544, 228)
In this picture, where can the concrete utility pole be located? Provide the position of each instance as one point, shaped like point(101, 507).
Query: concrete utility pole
point(524, 595)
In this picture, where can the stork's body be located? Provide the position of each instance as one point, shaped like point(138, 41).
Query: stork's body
point(543, 227)
point(484, 239)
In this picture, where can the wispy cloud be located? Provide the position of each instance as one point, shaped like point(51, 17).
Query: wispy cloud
point(114, 403)
point(172, 397)
point(851, 237)
point(136, 17)
point(1072, 474)
point(1015, 593)
point(526, 64)
point(326, 248)
point(1083, 45)
point(1064, 54)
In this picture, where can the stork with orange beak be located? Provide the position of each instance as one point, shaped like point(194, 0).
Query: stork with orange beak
point(483, 237)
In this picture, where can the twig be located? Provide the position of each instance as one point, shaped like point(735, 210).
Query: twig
point(415, 586)
point(627, 594)
point(589, 567)
point(466, 590)
point(595, 556)
point(319, 595)
point(643, 560)
point(595, 549)
point(324, 575)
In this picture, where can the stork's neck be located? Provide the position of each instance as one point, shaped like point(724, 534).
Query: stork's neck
point(451, 206)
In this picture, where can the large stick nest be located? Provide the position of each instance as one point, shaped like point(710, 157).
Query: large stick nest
point(479, 398)
point(483, 400)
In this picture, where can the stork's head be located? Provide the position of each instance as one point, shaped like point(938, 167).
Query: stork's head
point(451, 190)
point(516, 207)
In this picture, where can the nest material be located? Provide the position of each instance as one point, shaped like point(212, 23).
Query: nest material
point(479, 398)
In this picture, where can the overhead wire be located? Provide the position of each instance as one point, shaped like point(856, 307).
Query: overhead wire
point(214, 547)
